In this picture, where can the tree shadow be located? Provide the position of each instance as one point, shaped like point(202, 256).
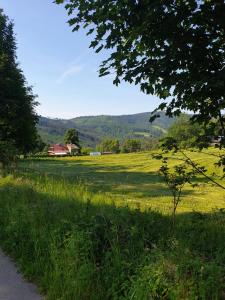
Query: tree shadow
point(37, 230)
point(114, 179)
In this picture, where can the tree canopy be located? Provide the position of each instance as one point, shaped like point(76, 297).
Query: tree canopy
point(17, 101)
point(131, 145)
point(185, 133)
point(109, 145)
point(71, 136)
point(173, 49)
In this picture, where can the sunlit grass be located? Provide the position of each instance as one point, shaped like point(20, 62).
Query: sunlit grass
point(132, 179)
point(99, 228)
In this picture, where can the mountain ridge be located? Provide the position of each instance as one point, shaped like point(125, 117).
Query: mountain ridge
point(92, 129)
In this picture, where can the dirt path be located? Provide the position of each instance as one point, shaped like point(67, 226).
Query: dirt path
point(12, 284)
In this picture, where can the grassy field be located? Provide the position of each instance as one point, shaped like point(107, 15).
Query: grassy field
point(133, 179)
point(100, 228)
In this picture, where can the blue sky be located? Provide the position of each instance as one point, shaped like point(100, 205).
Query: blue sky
point(61, 67)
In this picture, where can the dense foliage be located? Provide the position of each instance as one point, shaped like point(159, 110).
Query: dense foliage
point(17, 102)
point(71, 137)
point(128, 145)
point(186, 133)
point(109, 145)
point(8, 154)
point(131, 145)
point(150, 143)
point(170, 48)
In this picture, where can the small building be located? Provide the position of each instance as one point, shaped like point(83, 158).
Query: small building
point(58, 150)
point(95, 153)
point(73, 149)
point(63, 150)
point(216, 141)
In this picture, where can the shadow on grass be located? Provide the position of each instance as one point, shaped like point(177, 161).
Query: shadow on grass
point(79, 249)
point(116, 179)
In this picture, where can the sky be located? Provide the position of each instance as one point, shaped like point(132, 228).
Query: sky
point(62, 69)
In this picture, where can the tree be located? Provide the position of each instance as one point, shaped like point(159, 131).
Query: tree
point(40, 145)
point(173, 49)
point(109, 145)
point(71, 136)
point(17, 101)
point(176, 180)
point(186, 133)
point(86, 150)
point(131, 145)
point(149, 143)
point(7, 157)
point(176, 177)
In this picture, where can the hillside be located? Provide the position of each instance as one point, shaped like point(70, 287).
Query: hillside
point(93, 129)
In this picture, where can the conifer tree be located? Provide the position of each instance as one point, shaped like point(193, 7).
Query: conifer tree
point(17, 101)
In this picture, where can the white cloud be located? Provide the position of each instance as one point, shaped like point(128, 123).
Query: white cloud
point(76, 69)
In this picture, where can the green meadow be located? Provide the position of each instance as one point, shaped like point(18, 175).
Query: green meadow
point(100, 228)
point(133, 180)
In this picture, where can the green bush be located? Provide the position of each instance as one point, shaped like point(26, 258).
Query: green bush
point(39, 154)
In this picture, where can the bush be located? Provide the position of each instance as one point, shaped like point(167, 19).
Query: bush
point(39, 155)
point(109, 145)
point(86, 150)
point(131, 145)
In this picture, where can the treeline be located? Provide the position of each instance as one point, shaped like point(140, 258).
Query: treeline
point(186, 134)
point(127, 146)
point(189, 134)
point(108, 146)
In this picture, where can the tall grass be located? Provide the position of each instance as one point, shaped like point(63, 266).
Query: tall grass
point(76, 244)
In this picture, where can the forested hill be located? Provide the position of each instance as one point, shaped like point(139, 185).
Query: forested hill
point(93, 129)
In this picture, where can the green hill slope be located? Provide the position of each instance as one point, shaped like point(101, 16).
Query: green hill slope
point(93, 129)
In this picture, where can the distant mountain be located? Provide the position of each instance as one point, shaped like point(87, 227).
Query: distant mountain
point(95, 128)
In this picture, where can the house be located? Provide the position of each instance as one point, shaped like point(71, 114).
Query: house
point(216, 141)
point(63, 150)
point(73, 149)
point(58, 150)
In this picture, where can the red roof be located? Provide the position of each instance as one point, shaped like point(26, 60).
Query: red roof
point(58, 149)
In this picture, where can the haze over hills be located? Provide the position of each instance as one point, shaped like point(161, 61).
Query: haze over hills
point(93, 129)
